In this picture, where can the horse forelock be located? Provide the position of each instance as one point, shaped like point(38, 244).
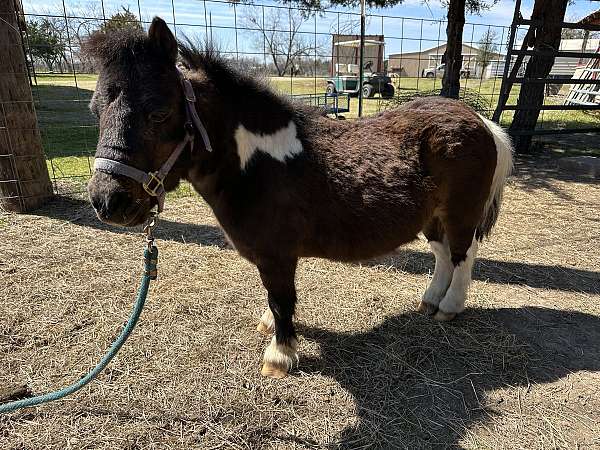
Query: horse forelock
point(117, 47)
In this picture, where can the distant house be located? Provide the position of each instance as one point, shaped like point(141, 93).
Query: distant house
point(414, 64)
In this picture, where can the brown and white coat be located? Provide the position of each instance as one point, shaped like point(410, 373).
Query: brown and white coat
point(285, 182)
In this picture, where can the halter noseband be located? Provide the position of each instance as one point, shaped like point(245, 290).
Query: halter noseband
point(152, 182)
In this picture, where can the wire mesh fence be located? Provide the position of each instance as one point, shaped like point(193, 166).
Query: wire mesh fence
point(300, 52)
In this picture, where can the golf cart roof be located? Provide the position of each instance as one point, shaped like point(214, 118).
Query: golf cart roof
point(356, 43)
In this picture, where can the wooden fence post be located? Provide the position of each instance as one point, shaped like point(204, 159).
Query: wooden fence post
point(24, 180)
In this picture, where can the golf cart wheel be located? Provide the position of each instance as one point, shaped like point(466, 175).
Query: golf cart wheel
point(429, 75)
point(388, 91)
point(330, 89)
point(368, 91)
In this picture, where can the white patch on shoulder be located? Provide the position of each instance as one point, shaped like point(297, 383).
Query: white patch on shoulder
point(282, 144)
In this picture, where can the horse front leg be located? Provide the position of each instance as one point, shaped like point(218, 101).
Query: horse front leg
point(278, 278)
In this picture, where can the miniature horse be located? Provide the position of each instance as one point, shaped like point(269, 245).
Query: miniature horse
point(287, 182)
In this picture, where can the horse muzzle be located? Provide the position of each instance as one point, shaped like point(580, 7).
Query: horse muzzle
point(117, 202)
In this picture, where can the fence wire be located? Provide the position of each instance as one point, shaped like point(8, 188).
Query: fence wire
point(292, 47)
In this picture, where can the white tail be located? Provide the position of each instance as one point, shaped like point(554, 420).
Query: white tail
point(504, 166)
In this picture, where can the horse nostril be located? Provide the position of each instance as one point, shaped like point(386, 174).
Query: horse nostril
point(116, 201)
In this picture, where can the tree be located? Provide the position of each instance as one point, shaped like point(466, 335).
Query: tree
point(454, 32)
point(84, 21)
point(24, 181)
point(569, 33)
point(122, 20)
point(279, 36)
point(487, 49)
point(45, 42)
point(544, 38)
point(322, 5)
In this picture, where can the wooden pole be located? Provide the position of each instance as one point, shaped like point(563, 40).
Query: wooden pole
point(24, 180)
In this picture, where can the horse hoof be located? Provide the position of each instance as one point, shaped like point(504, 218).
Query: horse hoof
point(273, 371)
point(426, 308)
point(279, 358)
point(442, 316)
point(264, 329)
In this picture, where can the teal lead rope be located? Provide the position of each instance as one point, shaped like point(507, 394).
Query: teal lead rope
point(150, 271)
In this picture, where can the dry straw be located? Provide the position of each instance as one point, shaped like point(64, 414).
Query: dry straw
point(520, 369)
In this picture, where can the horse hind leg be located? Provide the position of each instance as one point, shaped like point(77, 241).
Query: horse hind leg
point(442, 274)
point(463, 250)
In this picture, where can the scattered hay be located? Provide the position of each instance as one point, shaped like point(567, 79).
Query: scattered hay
point(520, 369)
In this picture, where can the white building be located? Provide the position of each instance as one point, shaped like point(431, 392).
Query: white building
point(563, 66)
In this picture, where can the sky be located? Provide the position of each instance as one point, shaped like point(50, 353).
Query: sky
point(411, 26)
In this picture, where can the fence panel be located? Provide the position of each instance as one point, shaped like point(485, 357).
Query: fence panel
point(291, 47)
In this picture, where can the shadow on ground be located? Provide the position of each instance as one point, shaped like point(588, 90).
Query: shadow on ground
point(542, 276)
point(571, 144)
point(418, 384)
point(541, 171)
point(502, 272)
point(80, 212)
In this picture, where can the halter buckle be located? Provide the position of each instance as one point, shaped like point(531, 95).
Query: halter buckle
point(153, 190)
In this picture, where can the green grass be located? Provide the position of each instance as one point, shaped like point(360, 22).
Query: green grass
point(487, 89)
point(69, 130)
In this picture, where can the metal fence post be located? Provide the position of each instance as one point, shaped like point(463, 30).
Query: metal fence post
point(362, 55)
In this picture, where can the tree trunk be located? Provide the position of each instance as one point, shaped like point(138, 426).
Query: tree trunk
point(24, 180)
point(453, 54)
point(546, 39)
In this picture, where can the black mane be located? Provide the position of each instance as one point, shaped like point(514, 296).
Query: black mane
point(117, 46)
point(208, 59)
point(226, 78)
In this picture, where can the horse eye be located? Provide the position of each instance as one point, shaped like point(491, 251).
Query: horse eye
point(159, 116)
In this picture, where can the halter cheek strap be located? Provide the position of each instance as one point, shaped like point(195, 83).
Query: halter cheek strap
point(152, 182)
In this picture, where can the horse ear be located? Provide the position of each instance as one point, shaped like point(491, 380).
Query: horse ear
point(163, 39)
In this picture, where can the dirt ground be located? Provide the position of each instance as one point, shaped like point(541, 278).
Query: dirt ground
point(519, 369)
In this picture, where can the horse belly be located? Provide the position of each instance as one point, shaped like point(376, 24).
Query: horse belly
point(366, 233)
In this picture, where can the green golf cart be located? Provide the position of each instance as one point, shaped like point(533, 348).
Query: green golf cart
point(346, 76)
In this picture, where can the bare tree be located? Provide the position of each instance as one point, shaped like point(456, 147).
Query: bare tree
point(487, 49)
point(348, 24)
point(279, 36)
point(86, 19)
point(80, 22)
